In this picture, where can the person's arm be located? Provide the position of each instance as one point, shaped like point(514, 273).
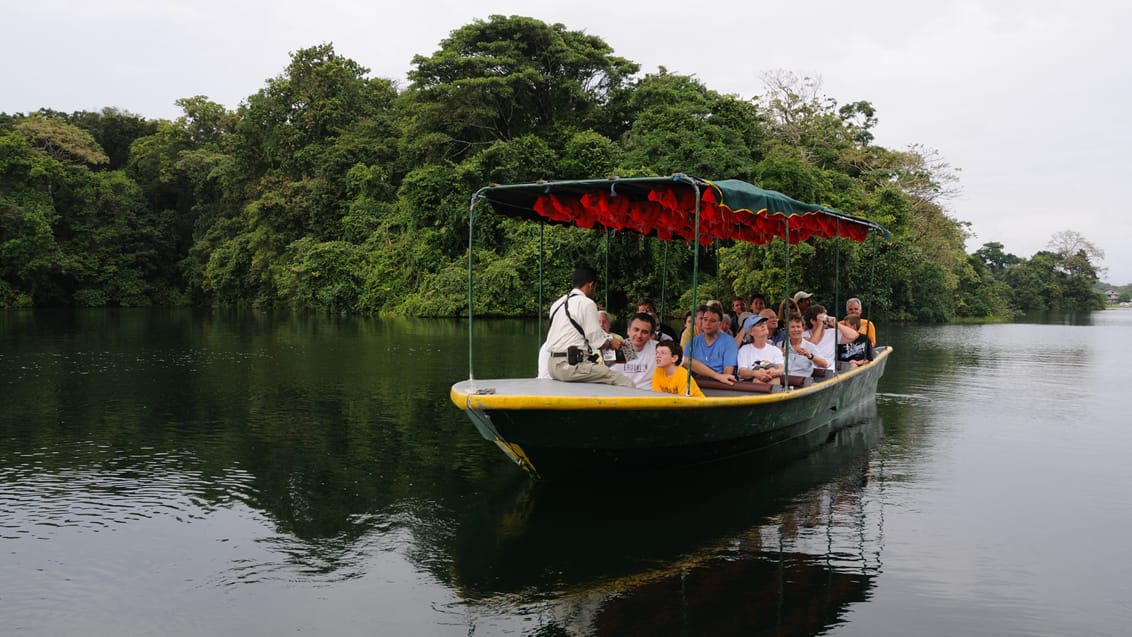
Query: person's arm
point(779, 360)
point(595, 336)
point(701, 368)
point(848, 334)
point(818, 361)
point(770, 373)
point(810, 354)
point(744, 364)
point(730, 361)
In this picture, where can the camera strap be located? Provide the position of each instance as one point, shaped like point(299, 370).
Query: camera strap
point(566, 304)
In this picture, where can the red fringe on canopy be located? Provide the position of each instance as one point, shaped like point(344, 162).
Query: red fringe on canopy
point(670, 212)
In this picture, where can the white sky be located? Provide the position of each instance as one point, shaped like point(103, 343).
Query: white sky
point(1028, 98)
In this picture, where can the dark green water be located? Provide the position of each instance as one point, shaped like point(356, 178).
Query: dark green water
point(180, 473)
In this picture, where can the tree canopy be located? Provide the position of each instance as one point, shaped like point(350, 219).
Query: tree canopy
point(329, 189)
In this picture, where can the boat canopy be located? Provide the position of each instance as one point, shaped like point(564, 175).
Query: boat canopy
point(729, 209)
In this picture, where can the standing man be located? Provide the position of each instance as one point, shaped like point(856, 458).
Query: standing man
point(868, 328)
point(713, 354)
point(575, 333)
point(639, 368)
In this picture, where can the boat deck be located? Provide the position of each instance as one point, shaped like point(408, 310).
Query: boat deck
point(545, 387)
point(539, 393)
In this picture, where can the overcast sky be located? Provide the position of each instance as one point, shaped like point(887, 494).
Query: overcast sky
point(1029, 99)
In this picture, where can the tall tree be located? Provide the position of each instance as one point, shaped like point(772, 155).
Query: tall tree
point(295, 144)
point(507, 77)
point(679, 125)
point(114, 130)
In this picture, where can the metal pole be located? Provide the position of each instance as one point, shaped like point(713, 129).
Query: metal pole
point(872, 283)
point(837, 274)
point(836, 293)
point(471, 304)
point(541, 258)
point(663, 282)
point(695, 286)
point(786, 348)
point(607, 232)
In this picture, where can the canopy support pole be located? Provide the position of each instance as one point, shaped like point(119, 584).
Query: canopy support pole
point(471, 278)
point(541, 258)
point(718, 282)
point(789, 313)
point(836, 293)
point(837, 273)
point(872, 281)
point(607, 233)
point(663, 284)
point(695, 289)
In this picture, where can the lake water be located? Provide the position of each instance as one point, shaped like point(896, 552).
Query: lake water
point(190, 473)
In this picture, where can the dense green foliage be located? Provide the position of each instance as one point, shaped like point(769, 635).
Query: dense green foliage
point(331, 190)
point(1062, 278)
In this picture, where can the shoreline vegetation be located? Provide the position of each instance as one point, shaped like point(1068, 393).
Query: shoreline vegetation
point(331, 190)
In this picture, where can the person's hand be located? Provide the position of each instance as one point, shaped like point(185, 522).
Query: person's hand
point(725, 379)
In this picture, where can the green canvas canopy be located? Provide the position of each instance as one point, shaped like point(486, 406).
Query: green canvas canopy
point(666, 207)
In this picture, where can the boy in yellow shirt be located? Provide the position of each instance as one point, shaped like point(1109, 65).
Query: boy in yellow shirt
point(669, 376)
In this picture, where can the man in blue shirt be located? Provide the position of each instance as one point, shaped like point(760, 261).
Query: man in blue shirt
point(712, 354)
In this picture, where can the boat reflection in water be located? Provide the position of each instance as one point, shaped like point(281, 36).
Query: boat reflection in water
point(753, 547)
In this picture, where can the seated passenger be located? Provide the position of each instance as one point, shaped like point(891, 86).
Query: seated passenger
point(738, 313)
point(803, 300)
point(691, 329)
point(801, 355)
point(669, 376)
point(825, 333)
point(775, 332)
point(639, 352)
point(663, 331)
point(713, 353)
point(606, 322)
point(575, 333)
point(608, 353)
point(853, 308)
point(859, 351)
point(758, 304)
point(759, 360)
point(787, 309)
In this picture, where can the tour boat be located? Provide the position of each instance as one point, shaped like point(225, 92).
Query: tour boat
point(552, 428)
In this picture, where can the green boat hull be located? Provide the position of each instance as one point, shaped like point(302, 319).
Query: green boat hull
point(597, 438)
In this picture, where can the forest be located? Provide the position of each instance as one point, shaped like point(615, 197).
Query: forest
point(330, 190)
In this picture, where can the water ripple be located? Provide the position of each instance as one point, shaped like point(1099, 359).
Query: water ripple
point(100, 495)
